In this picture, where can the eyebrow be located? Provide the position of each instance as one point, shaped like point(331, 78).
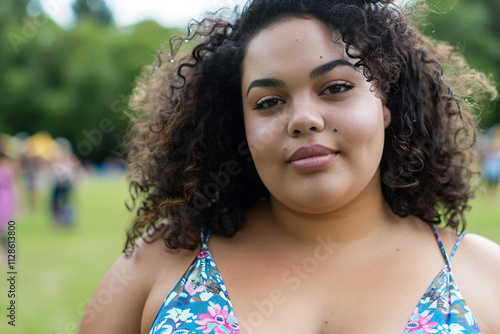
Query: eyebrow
point(325, 68)
point(267, 82)
point(317, 72)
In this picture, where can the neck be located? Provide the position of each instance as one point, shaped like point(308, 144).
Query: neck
point(364, 220)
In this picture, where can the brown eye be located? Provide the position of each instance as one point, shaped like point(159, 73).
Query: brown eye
point(337, 88)
point(268, 103)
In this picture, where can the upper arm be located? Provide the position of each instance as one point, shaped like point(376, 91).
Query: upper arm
point(117, 303)
point(477, 269)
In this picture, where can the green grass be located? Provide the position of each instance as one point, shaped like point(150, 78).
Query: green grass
point(484, 218)
point(58, 269)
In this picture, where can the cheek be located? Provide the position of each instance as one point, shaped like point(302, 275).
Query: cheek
point(365, 130)
point(262, 133)
point(258, 141)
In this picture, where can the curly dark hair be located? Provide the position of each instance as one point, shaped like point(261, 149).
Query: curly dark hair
point(189, 162)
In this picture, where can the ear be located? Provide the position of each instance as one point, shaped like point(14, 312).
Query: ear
point(387, 116)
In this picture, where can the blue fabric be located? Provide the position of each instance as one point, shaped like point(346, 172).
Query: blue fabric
point(199, 302)
point(442, 309)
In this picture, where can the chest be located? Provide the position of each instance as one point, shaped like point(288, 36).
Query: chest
point(307, 295)
point(273, 290)
point(299, 302)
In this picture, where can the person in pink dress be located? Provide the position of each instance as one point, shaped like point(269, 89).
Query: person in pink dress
point(7, 192)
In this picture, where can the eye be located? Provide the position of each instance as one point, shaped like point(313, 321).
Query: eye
point(337, 88)
point(268, 102)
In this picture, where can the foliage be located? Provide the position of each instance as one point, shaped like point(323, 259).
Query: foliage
point(95, 9)
point(71, 82)
point(75, 82)
point(472, 28)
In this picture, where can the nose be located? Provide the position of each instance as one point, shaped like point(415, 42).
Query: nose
point(305, 117)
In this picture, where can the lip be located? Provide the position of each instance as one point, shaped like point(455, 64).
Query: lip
point(312, 158)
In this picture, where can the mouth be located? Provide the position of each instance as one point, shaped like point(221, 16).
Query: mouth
point(312, 158)
point(310, 152)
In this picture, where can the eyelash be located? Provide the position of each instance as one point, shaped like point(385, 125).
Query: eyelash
point(343, 85)
point(259, 104)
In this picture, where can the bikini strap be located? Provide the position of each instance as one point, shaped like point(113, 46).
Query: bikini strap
point(204, 236)
point(443, 250)
point(460, 237)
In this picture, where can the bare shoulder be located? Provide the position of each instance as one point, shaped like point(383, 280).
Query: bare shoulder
point(477, 270)
point(125, 288)
point(472, 246)
point(482, 254)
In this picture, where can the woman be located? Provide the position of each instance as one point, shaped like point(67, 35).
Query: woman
point(7, 191)
point(297, 162)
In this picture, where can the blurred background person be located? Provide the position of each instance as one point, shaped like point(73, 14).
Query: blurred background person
point(491, 160)
point(38, 152)
point(65, 167)
point(8, 200)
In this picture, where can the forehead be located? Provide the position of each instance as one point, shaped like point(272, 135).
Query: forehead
point(291, 27)
point(292, 43)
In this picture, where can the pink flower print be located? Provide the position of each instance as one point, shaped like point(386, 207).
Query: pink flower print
point(218, 320)
point(193, 287)
point(202, 254)
point(423, 325)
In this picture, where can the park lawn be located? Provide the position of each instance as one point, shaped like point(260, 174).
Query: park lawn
point(484, 217)
point(58, 269)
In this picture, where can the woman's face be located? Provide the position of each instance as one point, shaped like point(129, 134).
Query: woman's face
point(314, 127)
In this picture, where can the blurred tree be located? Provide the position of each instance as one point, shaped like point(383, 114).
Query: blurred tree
point(95, 9)
point(473, 28)
point(13, 7)
point(71, 82)
point(75, 82)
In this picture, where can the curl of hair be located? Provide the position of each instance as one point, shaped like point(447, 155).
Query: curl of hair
point(189, 163)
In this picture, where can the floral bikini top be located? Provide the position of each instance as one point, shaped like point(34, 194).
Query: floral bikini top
point(199, 303)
